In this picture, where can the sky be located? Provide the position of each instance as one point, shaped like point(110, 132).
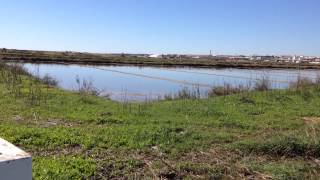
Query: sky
point(265, 27)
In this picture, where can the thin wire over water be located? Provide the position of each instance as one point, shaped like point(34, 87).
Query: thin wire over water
point(186, 82)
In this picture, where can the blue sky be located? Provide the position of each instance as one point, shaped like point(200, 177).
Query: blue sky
point(163, 26)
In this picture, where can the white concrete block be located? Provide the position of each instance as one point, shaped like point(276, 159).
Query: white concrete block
point(15, 164)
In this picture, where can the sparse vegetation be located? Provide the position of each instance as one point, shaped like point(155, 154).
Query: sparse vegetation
point(262, 85)
point(227, 89)
point(184, 93)
point(242, 134)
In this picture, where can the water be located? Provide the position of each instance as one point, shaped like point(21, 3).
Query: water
point(140, 83)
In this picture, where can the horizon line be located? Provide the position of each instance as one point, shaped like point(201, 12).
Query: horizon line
point(136, 53)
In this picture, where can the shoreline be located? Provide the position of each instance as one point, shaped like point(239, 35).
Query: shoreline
point(183, 65)
point(46, 57)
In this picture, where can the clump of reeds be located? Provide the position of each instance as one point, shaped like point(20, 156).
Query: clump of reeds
point(263, 84)
point(49, 81)
point(227, 89)
point(301, 83)
point(11, 77)
point(304, 86)
point(185, 93)
point(85, 87)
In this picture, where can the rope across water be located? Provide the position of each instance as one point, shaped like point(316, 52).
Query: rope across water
point(186, 82)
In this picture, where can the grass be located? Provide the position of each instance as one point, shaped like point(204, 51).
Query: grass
point(265, 134)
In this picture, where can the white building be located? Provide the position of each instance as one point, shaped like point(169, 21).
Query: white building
point(155, 56)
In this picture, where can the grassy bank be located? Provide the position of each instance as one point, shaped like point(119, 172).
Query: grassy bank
point(138, 60)
point(268, 134)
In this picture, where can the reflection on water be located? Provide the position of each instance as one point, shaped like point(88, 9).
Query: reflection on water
point(140, 83)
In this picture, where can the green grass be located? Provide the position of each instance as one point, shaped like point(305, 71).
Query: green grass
point(258, 134)
point(63, 167)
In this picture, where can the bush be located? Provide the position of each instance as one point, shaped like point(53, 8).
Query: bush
point(262, 85)
point(184, 93)
point(225, 90)
point(85, 87)
point(302, 82)
point(48, 80)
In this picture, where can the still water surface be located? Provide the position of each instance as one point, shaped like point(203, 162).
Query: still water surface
point(140, 83)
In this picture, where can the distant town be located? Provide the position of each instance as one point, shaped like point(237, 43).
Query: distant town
point(266, 58)
point(209, 60)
